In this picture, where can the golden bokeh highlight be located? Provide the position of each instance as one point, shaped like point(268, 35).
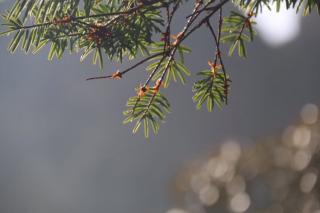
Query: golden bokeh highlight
point(209, 195)
point(309, 114)
point(176, 210)
point(308, 182)
point(301, 137)
point(300, 160)
point(240, 202)
point(275, 175)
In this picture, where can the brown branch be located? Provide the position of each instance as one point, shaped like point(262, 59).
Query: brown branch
point(128, 69)
point(203, 21)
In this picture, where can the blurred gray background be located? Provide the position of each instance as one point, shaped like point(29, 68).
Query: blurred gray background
point(63, 147)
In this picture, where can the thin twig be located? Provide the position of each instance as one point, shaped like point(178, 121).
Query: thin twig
point(128, 69)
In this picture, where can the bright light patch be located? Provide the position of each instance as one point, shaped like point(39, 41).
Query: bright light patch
point(278, 28)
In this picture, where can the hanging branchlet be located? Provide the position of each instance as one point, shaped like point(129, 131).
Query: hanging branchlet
point(211, 88)
point(218, 55)
point(238, 30)
point(116, 29)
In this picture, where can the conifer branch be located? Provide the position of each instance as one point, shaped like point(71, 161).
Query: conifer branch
point(116, 29)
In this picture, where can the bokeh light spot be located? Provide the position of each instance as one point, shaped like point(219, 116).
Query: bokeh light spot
point(240, 202)
point(309, 114)
point(278, 28)
point(209, 195)
point(308, 181)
